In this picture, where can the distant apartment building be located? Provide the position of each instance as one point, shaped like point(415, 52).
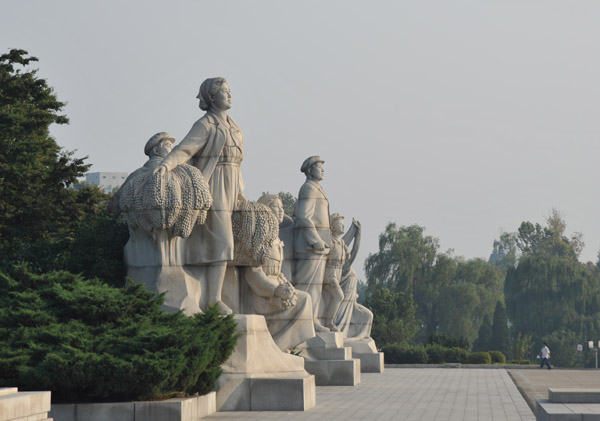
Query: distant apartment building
point(107, 181)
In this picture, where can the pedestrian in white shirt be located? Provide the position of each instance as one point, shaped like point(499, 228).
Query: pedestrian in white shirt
point(545, 353)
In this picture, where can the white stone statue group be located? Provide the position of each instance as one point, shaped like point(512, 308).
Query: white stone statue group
point(195, 237)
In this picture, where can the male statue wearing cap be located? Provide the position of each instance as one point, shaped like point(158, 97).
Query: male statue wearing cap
point(215, 146)
point(157, 147)
point(312, 235)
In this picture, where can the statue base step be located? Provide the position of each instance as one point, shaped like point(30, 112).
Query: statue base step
point(260, 377)
point(334, 372)
point(330, 361)
point(371, 361)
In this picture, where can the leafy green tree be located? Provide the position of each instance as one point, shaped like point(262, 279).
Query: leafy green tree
point(404, 260)
point(484, 336)
point(451, 294)
point(289, 201)
point(505, 253)
point(393, 316)
point(40, 215)
point(500, 332)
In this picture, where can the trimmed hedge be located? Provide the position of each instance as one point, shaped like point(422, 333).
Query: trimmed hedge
point(456, 355)
point(479, 358)
point(87, 341)
point(436, 354)
point(404, 354)
point(497, 357)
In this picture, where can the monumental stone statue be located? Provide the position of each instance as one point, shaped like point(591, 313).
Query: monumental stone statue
point(312, 235)
point(338, 254)
point(352, 319)
point(214, 145)
point(288, 312)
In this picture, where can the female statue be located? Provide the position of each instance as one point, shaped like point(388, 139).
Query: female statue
point(288, 312)
point(215, 146)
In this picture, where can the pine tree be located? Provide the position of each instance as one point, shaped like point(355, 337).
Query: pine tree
point(500, 333)
point(484, 338)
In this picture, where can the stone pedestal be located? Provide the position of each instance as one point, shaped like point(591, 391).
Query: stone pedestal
point(260, 377)
point(179, 409)
point(569, 404)
point(17, 406)
point(330, 361)
point(371, 361)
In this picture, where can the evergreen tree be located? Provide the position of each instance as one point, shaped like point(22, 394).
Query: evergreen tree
point(500, 333)
point(40, 215)
point(484, 337)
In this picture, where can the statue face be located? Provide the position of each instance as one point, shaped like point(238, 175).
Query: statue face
point(338, 226)
point(222, 98)
point(317, 171)
point(164, 148)
point(276, 207)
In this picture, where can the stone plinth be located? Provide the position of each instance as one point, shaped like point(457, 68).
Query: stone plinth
point(17, 406)
point(330, 361)
point(180, 409)
point(569, 404)
point(260, 377)
point(371, 361)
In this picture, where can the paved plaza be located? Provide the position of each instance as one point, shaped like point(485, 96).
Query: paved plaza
point(534, 383)
point(412, 394)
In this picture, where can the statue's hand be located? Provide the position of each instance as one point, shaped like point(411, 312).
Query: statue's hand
point(160, 170)
point(241, 198)
point(356, 223)
point(284, 291)
point(320, 245)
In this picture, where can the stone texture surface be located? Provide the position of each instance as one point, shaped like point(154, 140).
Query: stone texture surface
point(370, 363)
point(15, 405)
point(534, 383)
point(574, 395)
point(334, 372)
point(182, 409)
point(412, 394)
point(257, 366)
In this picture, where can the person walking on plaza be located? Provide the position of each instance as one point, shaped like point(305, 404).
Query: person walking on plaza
point(545, 353)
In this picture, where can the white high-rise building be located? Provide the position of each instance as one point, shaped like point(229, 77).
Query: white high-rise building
point(107, 181)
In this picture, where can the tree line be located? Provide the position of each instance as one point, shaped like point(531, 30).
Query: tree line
point(532, 289)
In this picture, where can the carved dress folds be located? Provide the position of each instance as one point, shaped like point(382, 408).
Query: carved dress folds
point(290, 326)
point(216, 148)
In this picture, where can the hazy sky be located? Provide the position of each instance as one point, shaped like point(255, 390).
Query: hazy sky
point(466, 117)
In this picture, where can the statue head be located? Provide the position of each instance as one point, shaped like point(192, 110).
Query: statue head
point(336, 222)
point(274, 203)
point(313, 168)
point(159, 145)
point(214, 94)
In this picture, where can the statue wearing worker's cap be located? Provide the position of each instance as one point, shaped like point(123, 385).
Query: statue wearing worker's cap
point(312, 235)
point(157, 147)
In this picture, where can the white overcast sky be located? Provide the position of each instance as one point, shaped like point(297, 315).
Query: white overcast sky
point(466, 117)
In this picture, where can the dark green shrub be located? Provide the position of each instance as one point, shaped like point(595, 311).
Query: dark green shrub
point(456, 355)
point(87, 341)
point(436, 354)
point(497, 357)
point(448, 341)
point(479, 358)
point(404, 354)
point(520, 362)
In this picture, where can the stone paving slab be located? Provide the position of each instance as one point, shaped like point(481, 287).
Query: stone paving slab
point(534, 383)
point(412, 394)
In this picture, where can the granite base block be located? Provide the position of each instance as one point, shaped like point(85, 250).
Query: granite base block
point(267, 394)
point(15, 405)
point(370, 363)
point(182, 409)
point(573, 395)
point(334, 372)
